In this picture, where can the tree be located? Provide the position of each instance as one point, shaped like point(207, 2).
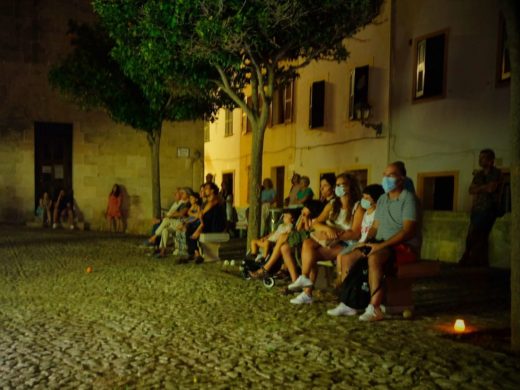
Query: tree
point(234, 44)
point(511, 11)
point(91, 78)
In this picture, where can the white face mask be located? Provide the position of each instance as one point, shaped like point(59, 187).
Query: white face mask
point(340, 191)
point(365, 203)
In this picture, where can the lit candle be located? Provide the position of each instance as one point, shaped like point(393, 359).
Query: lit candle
point(459, 326)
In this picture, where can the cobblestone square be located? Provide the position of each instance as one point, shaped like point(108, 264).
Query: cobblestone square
point(138, 322)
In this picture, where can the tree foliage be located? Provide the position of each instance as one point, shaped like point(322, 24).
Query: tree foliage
point(90, 77)
point(226, 46)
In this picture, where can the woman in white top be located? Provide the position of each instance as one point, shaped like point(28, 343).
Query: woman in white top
point(346, 259)
point(342, 227)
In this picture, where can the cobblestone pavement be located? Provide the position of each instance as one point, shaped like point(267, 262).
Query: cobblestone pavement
point(136, 322)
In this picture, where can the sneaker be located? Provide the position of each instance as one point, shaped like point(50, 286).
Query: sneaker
point(54, 225)
point(71, 227)
point(301, 299)
point(175, 252)
point(372, 314)
point(342, 310)
point(301, 282)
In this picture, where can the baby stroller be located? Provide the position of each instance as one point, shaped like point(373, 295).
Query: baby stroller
point(249, 264)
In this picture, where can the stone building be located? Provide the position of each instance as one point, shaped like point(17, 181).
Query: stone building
point(432, 77)
point(46, 142)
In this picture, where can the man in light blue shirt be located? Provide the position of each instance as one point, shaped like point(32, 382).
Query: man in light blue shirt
point(395, 229)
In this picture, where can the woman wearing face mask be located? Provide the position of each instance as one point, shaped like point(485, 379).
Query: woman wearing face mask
point(342, 227)
point(348, 257)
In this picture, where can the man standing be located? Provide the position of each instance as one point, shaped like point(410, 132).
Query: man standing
point(485, 191)
point(395, 231)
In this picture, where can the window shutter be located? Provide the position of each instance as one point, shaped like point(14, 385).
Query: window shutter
point(317, 105)
point(421, 68)
point(288, 102)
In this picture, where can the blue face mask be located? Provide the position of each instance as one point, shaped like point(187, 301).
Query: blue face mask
point(389, 183)
point(365, 203)
point(339, 191)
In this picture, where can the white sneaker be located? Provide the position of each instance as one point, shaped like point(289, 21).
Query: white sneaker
point(54, 225)
point(259, 257)
point(342, 310)
point(301, 299)
point(301, 282)
point(372, 314)
point(71, 227)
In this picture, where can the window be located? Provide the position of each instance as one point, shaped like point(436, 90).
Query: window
point(228, 131)
point(282, 105)
point(358, 91)
point(503, 62)
point(317, 105)
point(437, 190)
point(206, 131)
point(430, 66)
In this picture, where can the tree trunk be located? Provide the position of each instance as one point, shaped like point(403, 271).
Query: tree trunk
point(512, 17)
point(154, 140)
point(255, 182)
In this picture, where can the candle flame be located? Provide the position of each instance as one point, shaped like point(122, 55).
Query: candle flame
point(459, 326)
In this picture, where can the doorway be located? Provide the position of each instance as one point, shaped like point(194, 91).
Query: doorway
point(228, 178)
point(278, 175)
point(52, 159)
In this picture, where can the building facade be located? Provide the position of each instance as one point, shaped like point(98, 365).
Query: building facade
point(426, 84)
point(44, 139)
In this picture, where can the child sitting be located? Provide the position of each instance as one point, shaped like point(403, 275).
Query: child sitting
point(266, 243)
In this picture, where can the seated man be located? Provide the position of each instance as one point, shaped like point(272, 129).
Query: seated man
point(395, 230)
point(63, 209)
point(172, 219)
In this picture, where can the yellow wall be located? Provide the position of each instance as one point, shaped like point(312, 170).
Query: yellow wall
point(342, 144)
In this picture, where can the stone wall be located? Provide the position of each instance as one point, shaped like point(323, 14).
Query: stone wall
point(444, 237)
point(32, 38)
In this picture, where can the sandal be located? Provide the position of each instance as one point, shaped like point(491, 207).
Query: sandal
point(258, 274)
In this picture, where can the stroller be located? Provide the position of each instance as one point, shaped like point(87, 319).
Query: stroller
point(250, 265)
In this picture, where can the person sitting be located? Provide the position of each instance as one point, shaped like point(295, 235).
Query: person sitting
point(171, 221)
point(342, 227)
point(44, 209)
point(395, 229)
point(348, 257)
point(311, 210)
point(212, 220)
point(63, 208)
point(265, 243)
point(191, 222)
point(305, 192)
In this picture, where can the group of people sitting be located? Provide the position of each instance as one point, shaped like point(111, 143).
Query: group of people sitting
point(53, 212)
point(379, 223)
point(190, 215)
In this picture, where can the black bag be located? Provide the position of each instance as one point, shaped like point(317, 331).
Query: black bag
point(355, 291)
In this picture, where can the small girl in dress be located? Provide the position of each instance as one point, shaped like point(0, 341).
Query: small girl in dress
point(113, 213)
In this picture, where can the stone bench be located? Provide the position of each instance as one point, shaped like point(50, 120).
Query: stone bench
point(398, 296)
point(210, 244)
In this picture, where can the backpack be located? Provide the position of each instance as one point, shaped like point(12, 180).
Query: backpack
point(355, 291)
